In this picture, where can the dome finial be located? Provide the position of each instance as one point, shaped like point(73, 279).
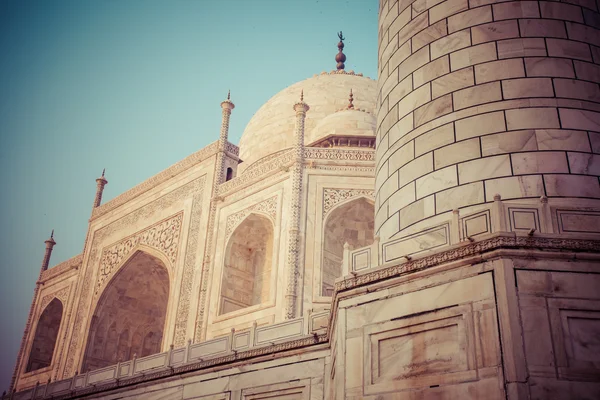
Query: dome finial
point(351, 99)
point(229, 94)
point(340, 58)
point(103, 171)
point(302, 95)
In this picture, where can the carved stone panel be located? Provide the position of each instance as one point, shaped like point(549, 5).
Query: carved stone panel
point(193, 190)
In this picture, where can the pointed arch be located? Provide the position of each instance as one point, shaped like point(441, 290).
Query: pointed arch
point(46, 335)
point(246, 279)
point(352, 221)
point(135, 299)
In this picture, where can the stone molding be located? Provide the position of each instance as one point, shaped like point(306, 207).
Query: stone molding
point(159, 178)
point(258, 170)
point(193, 189)
point(62, 295)
point(268, 207)
point(215, 362)
point(163, 236)
point(342, 72)
point(337, 154)
point(333, 196)
point(59, 269)
point(285, 157)
point(232, 149)
point(500, 240)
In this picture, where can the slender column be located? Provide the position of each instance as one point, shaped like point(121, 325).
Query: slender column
point(296, 203)
point(227, 106)
point(100, 183)
point(45, 262)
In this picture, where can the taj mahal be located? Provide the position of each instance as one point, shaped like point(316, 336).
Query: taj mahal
point(430, 234)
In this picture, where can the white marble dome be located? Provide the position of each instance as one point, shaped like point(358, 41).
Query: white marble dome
point(271, 129)
point(349, 122)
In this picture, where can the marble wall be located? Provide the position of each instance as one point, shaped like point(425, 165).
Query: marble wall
point(479, 97)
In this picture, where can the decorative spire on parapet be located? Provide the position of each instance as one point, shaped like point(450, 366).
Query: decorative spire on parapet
point(49, 246)
point(227, 105)
point(100, 183)
point(293, 255)
point(340, 57)
point(45, 262)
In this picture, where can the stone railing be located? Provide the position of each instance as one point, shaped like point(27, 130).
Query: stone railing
point(237, 345)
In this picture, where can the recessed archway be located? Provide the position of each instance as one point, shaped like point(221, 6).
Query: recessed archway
point(130, 316)
point(352, 222)
point(247, 272)
point(45, 337)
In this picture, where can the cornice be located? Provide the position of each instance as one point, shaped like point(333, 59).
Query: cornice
point(501, 240)
point(161, 177)
point(58, 269)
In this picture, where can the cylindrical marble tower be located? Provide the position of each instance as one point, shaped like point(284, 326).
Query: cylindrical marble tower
point(482, 97)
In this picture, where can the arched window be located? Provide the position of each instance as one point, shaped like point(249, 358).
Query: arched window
point(45, 337)
point(134, 301)
point(248, 259)
point(353, 223)
point(229, 174)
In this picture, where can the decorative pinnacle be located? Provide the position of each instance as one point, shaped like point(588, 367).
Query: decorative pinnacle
point(302, 95)
point(102, 180)
point(351, 99)
point(50, 242)
point(228, 104)
point(340, 58)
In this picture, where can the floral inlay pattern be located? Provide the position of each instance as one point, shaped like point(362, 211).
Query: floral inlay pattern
point(331, 197)
point(268, 207)
point(163, 236)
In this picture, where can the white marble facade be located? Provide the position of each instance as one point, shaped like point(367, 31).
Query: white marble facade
point(457, 259)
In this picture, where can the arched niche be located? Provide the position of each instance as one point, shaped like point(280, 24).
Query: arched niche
point(45, 337)
point(248, 261)
point(353, 223)
point(132, 308)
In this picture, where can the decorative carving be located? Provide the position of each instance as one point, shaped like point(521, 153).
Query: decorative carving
point(265, 166)
point(62, 295)
point(257, 170)
point(163, 236)
point(332, 196)
point(268, 206)
point(345, 141)
point(293, 250)
point(232, 149)
point(58, 269)
point(157, 179)
point(226, 106)
point(338, 154)
point(195, 189)
point(471, 249)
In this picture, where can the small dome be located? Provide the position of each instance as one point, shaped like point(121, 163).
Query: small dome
point(271, 129)
point(349, 122)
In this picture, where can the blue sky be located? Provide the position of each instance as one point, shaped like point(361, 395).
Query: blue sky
point(134, 86)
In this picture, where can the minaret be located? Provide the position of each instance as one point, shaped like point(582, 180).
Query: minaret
point(226, 106)
point(100, 183)
point(296, 203)
point(340, 57)
point(219, 177)
point(45, 262)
